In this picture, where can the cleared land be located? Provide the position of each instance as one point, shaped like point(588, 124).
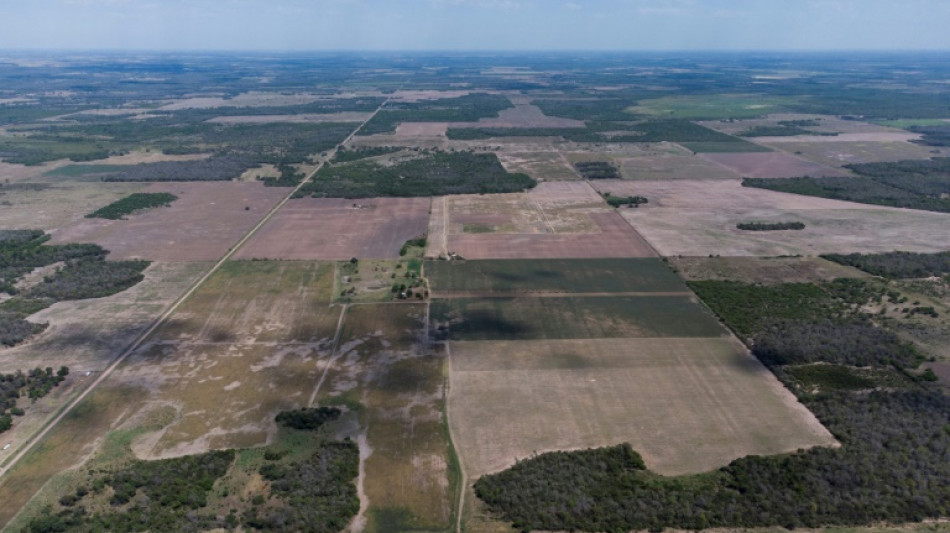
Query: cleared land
point(339, 229)
point(550, 276)
point(521, 116)
point(572, 317)
point(201, 225)
point(868, 151)
point(556, 219)
point(345, 116)
point(687, 405)
point(772, 165)
point(50, 207)
point(699, 218)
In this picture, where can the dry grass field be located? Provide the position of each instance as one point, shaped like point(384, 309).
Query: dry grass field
point(687, 405)
point(522, 115)
point(51, 207)
point(831, 153)
point(824, 124)
point(696, 218)
point(542, 166)
point(201, 225)
point(392, 377)
point(339, 229)
point(772, 165)
point(555, 219)
point(305, 118)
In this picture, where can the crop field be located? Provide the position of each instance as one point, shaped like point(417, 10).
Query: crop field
point(339, 229)
point(686, 405)
point(550, 276)
point(205, 221)
point(573, 317)
point(556, 219)
point(395, 381)
point(772, 165)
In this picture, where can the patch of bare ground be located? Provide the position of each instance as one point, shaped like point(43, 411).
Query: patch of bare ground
point(49, 206)
point(345, 116)
point(205, 220)
point(687, 405)
point(696, 218)
point(13, 173)
point(384, 365)
point(542, 166)
point(339, 229)
point(771, 165)
point(764, 270)
point(142, 156)
point(556, 219)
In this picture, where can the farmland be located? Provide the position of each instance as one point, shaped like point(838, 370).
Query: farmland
point(416, 292)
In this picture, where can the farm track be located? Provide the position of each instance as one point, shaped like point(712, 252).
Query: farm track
point(137, 343)
point(548, 294)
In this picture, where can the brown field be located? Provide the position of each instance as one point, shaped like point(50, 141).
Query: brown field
point(249, 99)
point(420, 95)
point(12, 173)
point(672, 166)
point(523, 115)
point(844, 153)
point(687, 405)
point(875, 137)
point(50, 207)
point(764, 270)
point(696, 218)
point(333, 229)
point(421, 129)
point(721, 194)
point(771, 165)
point(345, 116)
point(201, 225)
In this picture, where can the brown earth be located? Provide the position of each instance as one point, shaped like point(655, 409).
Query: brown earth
point(345, 116)
point(205, 220)
point(615, 239)
point(771, 165)
point(335, 229)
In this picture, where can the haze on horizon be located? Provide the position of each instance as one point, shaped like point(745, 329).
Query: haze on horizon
point(475, 24)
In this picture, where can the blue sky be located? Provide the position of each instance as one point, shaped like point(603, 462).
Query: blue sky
point(476, 24)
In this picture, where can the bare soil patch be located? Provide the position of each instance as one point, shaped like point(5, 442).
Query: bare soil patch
point(420, 95)
point(687, 405)
point(205, 220)
point(771, 165)
point(339, 229)
point(614, 238)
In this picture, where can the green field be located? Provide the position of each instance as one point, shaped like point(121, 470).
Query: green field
point(573, 318)
point(710, 107)
point(552, 275)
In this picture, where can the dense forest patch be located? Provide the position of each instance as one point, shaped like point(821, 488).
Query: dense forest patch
point(435, 173)
point(138, 201)
point(770, 226)
point(899, 265)
point(921, 184)
point(83, 273)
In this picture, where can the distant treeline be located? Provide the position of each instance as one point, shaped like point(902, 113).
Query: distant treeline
point(598, 170)
point(898, 265)
point(770, 226)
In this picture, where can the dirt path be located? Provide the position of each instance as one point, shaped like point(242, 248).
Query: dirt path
point(548, 294)
point(358, 524)
point(29, 444)
point(334, 355)
point(463, 478)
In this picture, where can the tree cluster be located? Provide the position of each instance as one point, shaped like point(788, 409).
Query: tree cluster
point(769, 226)
point(598, 170)
point(36, 383)
point(897, 265)
point(134, 202)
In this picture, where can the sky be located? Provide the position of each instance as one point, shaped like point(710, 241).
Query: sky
point(476, 24)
